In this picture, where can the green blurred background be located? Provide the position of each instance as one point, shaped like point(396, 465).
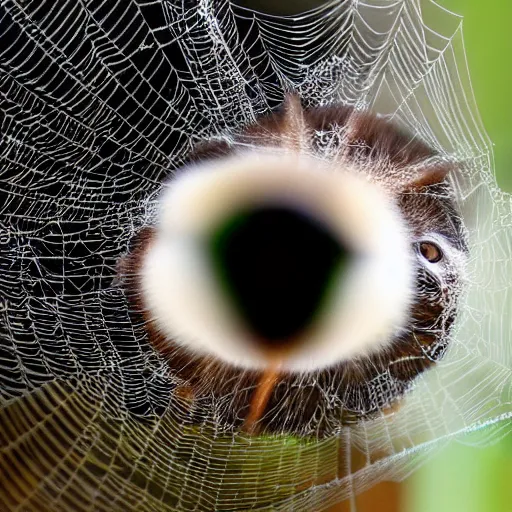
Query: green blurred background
point(464, 478)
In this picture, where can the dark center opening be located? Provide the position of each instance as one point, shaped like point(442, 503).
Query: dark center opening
point(276, 264)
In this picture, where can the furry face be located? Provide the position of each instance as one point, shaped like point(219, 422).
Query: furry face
point(381, 198)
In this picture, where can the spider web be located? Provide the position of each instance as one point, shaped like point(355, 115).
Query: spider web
point(100, 101)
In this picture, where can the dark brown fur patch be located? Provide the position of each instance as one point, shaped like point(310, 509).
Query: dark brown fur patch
point(319, 403)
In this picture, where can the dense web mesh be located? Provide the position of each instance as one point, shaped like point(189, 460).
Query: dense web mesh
point(100, 101)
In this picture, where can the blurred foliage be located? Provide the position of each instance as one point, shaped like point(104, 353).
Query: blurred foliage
point(488, 42)
point(466, 478)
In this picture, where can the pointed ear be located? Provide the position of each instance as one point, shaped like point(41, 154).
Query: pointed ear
point(427, 174)
point(294, 129)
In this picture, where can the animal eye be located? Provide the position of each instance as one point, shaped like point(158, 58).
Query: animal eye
point(431, 252)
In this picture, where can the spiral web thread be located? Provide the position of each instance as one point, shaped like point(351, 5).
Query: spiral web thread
point(100, 101)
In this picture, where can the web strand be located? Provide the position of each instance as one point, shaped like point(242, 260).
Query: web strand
point(100, 102)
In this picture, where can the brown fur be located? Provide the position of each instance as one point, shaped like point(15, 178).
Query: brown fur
point(321, 402)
